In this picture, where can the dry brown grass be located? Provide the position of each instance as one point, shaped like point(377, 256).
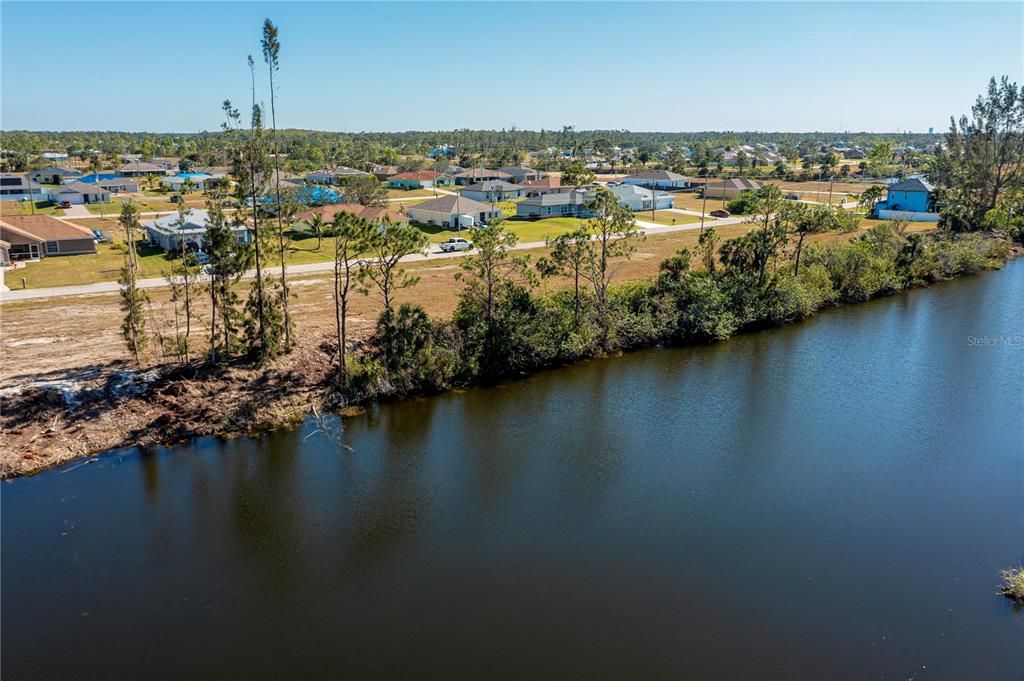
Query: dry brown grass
point(1013, 584)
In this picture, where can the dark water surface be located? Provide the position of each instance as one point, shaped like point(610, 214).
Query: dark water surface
point(828, 500)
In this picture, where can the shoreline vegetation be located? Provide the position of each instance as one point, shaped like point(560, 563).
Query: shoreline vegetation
point(501, 328)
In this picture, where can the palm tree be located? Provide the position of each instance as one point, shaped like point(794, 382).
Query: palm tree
point(317, 225)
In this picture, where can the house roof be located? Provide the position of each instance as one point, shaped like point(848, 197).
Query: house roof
point(57, 170)
point(662, 175)
point(385, 170)
point(196, 219)
point(45, 227)
point(518, 170)
point(549, 181)
point(341, 171)
point(740, 183)
point(81, 188)
point(452, 203)
point(913, 184)
point(560, 199)
point(492, 185)
point(481, 173)
point(141, 167)
point(421, 175)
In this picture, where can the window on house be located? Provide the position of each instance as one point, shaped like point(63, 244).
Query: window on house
point(52, 247)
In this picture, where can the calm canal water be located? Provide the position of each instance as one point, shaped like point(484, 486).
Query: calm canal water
point(828, 500)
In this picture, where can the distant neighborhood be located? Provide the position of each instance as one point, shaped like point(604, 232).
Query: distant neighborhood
point(48, 210)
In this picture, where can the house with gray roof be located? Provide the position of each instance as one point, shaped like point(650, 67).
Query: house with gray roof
point(572, 203)
point(659, 179)
point(520, 173)
point(81, 192)
point(17, 186)
point(452, 210)
point(474, 175)
point(55, 175)
point(171, 231)
point(493, 191)
point(912, 199)
point(140, 169)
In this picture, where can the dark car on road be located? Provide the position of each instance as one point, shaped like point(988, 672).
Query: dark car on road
point(719, 213)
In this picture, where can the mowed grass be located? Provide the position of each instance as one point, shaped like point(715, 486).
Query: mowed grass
point(412, 193)
point(25, 208)
point(145, 204)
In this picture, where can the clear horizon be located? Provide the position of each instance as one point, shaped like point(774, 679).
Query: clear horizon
point(397, 67)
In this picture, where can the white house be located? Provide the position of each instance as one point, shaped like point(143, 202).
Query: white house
point(333, 175)
point(493, 190)
point(171, 230)
point(119, 185)
point(55, 156)
point(658, 179)
point(452, 210)
point(640, 198)
point(176, 182)
point(139, 169)
point(81, 192)
point(15, 187)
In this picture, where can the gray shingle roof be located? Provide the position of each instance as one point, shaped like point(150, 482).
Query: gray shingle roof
point(451, 203)
point(912, 184)
point(492, 185)
point(662, 175)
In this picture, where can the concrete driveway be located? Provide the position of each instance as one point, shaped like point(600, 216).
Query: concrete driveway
point(78, 210)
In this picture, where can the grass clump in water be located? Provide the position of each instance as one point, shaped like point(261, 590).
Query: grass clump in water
point(1013, 584)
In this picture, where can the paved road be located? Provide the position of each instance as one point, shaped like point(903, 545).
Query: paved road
point(106, 287)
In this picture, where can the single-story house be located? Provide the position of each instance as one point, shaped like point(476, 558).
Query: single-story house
point(731, 188)
point(81, 192)
point(14, 187)
point(854, 154)
point(659, 179)
point(384, 172)
point(912, 199)
point(520, 173)
point(333, 175)
point(572, 202)
point(140, 169)
point(176, 182)
point(212, 171)
point(474, 175)
point(641, 198)
point(55, 156)
point(493, 190)
point(171, 230)
point(32, 237)
point(547, 185)
point(452, 210)
point(130, 158)
point(119, 185)
point(55, 175)
point(423, 179)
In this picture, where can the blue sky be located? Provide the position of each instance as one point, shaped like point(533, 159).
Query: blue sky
point(167, 66)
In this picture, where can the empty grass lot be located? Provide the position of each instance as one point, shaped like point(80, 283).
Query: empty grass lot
point(665, 217)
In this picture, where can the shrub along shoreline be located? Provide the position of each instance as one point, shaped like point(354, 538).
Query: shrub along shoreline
point(502, 327)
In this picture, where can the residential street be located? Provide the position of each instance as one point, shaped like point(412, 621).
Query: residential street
point(319, 267)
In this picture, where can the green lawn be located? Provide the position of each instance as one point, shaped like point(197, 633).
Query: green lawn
point(25, 208)
point(146, 204)
point(105, 265)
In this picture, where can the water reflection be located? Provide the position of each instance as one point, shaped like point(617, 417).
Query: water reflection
point(641, 516)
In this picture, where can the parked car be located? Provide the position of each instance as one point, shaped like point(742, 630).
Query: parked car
point(65, 204)
point(453, 245)
point(793, 197)
point(719, 213)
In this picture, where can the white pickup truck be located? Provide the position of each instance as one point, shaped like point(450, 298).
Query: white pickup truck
point(452, 245)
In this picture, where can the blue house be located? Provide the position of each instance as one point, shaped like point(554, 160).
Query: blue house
point(911, 199)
